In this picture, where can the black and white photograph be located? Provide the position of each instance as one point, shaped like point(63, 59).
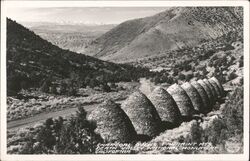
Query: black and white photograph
point(124, 80)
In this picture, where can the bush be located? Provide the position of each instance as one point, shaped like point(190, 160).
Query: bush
point(105, 87)
point(188, 77)
point(181, 76)
point(175, 72)
point(231, 76)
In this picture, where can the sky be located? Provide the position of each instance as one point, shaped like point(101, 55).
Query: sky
point(87, 15)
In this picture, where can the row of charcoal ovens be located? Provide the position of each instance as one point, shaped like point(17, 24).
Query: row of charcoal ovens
point(140, 117)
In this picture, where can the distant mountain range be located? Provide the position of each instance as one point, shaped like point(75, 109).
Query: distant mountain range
point(32, 60)
point(176, 28)
point(68, 28)
point(74, 37)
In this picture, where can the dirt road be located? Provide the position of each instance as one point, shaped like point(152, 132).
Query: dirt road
point(43, 116)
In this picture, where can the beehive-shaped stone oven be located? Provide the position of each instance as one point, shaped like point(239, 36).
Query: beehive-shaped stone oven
point(212, 89)
point(208, 91)
point(216, 88)
point(222, 92)
point(194, 96)
point(142, 114)
point(203, 95)
point(112, 123)
point(182, 100)
point(165, 106)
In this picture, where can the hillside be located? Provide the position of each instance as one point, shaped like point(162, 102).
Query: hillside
point(173, 29)
point(33, 63)
point(66, 36)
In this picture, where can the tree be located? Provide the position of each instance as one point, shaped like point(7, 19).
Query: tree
point(45, 136)
point(14, 83)
point(53, 89)
point(196, 132)
point(45, 86)
point(63, 88)
point(58, 124)
point(233, 112)
point(78, 136)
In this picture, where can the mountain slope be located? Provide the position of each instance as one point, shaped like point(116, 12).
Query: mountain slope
point(31, 61)
point(173, 29)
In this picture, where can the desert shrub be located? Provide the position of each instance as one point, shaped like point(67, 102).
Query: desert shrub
point(220, 62)
point(188, 77)
point(170, 80)
point(208, 54)
point(93, 83)
point(105, 88)
point(232, 75)
point(181, 76)
point(221, 77)
point(204, 71)
point(187, 67)
point(227, 47)
point(175, 72)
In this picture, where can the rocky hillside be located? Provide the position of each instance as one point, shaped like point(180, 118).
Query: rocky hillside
point(175, 28)
point(32, 61)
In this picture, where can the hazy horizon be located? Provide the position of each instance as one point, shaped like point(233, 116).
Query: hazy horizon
point(82, 15)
